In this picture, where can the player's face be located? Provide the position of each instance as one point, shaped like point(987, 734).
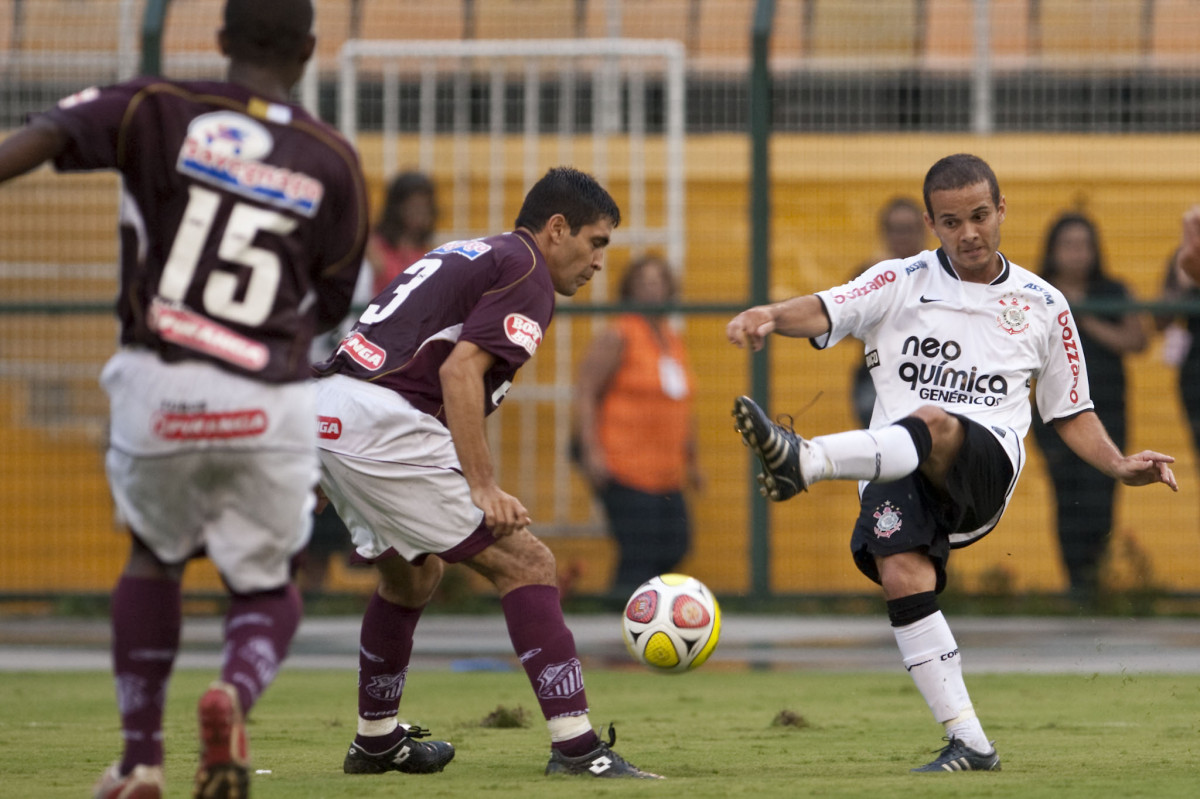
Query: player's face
point(967, 223)
point(574, 259)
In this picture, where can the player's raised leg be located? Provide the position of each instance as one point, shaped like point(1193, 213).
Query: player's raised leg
point(791, 463)
point(523, 570)
point(385, 646)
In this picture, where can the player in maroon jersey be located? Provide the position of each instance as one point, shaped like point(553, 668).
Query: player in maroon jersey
point(243, 223)
point(405, 461)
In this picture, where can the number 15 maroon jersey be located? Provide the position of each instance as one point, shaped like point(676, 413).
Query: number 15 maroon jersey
point(243, 221)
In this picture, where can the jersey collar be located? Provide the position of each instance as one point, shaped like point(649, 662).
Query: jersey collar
point(949, 270)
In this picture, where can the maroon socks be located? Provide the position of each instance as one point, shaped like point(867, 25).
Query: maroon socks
point(146, 617)
point(258, 630)
point(385, 647)
point(546, 649)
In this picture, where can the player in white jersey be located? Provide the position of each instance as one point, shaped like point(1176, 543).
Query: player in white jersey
point(953, 339)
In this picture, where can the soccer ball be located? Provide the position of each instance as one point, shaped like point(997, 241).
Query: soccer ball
point(671, 623)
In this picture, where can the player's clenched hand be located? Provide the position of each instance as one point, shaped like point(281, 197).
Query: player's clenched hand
point(748, 329)
point(502, 512)
point(1145, 468)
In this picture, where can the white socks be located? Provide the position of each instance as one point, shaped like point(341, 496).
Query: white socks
point(931, 657)
point(877, 455)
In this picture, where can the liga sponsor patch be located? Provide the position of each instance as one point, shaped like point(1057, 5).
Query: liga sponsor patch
point(363, 352)
point(523, 331)
point(329, 427)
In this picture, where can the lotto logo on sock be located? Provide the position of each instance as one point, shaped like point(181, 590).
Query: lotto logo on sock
point(561, 680)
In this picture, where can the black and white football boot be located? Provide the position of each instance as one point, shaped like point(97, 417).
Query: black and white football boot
point(409, 756)
point(957, 756)
point(600, 762)
point(778, 449)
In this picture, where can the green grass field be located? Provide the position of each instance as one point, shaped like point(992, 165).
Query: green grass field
point(710, 732)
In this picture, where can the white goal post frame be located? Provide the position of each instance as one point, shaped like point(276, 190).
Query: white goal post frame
point(540, 58)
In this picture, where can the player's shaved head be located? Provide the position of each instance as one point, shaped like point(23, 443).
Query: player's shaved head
point(957, 172)
point(268, 32)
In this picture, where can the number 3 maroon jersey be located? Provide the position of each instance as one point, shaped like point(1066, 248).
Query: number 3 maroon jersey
point(243, 221)
point(495, 292)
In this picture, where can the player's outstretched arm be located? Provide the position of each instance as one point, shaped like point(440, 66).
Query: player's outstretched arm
point(462, 392)
point(1188, 257)
point(1087, 438)
point(29, 147)
point(799, 317)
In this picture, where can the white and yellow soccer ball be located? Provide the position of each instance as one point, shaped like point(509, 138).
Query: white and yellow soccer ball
point(671, 623)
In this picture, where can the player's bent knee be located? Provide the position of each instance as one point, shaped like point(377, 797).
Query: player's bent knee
point(408, 584)
point(516, 560)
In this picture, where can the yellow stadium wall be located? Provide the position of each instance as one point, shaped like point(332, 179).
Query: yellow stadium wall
point(825, 192)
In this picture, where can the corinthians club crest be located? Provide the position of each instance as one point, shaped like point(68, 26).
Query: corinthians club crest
point(1013, 319)
point(887, 520)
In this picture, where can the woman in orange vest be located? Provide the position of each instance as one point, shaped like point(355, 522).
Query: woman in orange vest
point(635, 428)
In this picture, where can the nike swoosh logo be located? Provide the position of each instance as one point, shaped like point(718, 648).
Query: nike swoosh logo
point(926, 299)
point(922, 663)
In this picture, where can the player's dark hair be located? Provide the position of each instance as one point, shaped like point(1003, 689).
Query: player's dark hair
point(1050, 267)
point(574, 194)
point(641, 264)
point(957, 172)
point(268, 32)
point(403, 186)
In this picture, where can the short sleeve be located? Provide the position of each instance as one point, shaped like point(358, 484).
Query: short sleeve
point(92, 120)
point(856, 307)
point(510, 320)
point(1062, 387)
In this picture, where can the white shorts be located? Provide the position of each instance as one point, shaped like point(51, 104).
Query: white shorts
point(393, 475)
point(202, 459)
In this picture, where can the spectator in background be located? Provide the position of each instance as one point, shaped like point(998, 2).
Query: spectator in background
point(902, 233)
point(1180, 349)
point(405, 228)
point(1072, 262)
point(636, 428)
point(1179, 342)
